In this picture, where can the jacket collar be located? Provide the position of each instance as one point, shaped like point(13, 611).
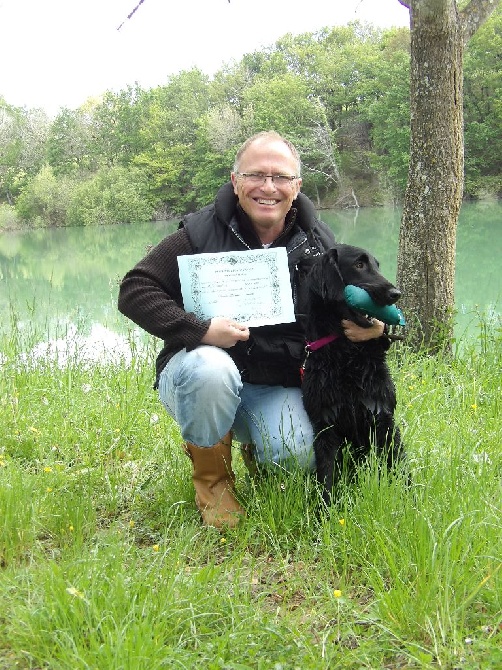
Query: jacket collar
point(248, 232)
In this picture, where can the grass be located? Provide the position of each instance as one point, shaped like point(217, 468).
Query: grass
point(105, 565)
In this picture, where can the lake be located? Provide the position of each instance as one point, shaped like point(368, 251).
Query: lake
point(63, 282)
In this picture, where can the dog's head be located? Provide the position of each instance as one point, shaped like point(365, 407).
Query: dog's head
point(342, 265)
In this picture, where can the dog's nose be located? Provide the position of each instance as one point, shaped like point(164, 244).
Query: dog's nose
point(394, 295)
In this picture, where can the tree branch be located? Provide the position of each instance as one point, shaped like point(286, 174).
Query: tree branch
point(475, 14)
point(129, 15)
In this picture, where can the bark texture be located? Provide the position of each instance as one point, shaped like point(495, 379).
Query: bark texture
point(426, 258)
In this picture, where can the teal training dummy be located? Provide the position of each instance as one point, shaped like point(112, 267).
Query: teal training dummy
point(360, 299)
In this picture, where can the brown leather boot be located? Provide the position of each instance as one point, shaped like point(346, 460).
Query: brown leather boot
point(213, 480)
point(249, 458)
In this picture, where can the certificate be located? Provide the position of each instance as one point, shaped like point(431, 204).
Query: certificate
point(252, 287)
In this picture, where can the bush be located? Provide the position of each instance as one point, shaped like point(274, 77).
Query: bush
point(112, 195)
point(9, 219)
point(45, 200)
point(477, 188)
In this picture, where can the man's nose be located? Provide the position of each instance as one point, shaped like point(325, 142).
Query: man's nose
point(269, 183)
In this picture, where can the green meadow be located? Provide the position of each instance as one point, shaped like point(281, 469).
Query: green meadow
point(104, 563)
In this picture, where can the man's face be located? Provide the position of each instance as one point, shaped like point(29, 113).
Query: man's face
point(266, 203)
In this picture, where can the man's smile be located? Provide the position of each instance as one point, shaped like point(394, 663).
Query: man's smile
point(264, 201)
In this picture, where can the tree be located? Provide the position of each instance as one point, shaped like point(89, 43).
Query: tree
point(169, 132)
point(46, 199)
point(68, 143)
point(389, 113)
point(23, 134)
point(112, 195)
point(219, 135)
point(483, 108)
point(426, 256)
point(116, 126)
point(360, 75)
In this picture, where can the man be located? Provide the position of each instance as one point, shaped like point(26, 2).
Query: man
point(217, 378)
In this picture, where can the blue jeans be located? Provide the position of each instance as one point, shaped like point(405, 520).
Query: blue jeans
point(203, 391)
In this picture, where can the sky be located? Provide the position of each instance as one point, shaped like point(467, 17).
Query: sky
point(59, 53)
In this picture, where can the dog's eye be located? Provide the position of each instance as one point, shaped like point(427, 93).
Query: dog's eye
point(359, 265)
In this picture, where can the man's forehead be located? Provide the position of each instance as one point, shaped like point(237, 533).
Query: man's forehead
point(268, 147)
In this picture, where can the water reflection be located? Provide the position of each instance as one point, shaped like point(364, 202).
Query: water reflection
point(68, 278)
point(71, 275)
point(100, 345)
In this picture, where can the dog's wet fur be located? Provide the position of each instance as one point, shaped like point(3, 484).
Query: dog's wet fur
point(348, 391)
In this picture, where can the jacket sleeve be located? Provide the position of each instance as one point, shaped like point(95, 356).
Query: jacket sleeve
point(150, 295)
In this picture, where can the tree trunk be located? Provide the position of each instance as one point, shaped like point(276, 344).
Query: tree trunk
point(426, 256)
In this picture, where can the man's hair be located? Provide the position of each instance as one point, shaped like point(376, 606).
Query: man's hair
point(268, 135)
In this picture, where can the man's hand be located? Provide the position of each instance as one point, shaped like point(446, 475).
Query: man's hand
point(224, 333)
point(356, 333)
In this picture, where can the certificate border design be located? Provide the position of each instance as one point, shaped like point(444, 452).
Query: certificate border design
point(195, 264)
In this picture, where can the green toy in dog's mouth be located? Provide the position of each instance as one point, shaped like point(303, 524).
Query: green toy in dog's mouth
point(361, 300)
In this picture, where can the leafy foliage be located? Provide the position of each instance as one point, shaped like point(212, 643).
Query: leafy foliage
point(483, 102)
point(23, 136)
point(46, 199)
point(111, 195)
point(341, 94)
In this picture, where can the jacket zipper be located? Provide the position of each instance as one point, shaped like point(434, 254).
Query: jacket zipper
point(240, 238)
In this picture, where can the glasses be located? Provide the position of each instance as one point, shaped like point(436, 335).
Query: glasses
point(258, 179)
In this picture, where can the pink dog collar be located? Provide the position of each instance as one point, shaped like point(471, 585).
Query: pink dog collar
point(321, 342)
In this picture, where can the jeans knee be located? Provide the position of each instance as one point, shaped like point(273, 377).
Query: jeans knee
point(212, 370)
point(200, 389)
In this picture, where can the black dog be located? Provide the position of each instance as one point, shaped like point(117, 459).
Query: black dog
point(348, 392)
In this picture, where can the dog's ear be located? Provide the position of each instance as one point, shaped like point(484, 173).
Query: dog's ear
point(325, 278)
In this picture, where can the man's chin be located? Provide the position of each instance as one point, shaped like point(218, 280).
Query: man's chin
point(269, 214)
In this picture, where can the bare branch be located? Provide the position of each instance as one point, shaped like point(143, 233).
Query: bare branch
point(133, 11)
